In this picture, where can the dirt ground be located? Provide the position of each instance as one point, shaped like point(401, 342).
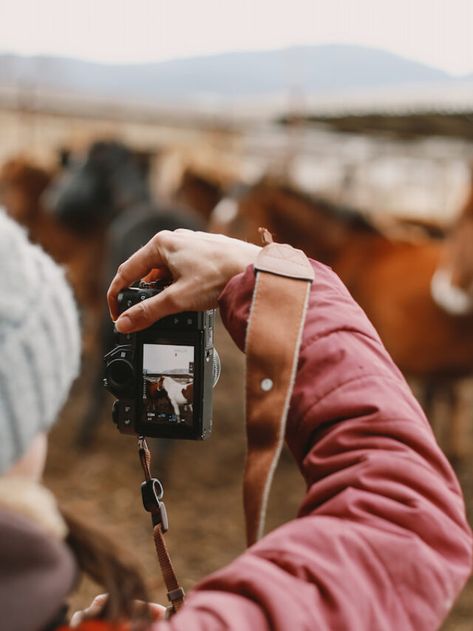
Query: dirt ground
point(202, 489)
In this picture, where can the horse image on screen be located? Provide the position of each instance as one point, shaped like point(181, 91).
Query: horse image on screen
point(168, 383)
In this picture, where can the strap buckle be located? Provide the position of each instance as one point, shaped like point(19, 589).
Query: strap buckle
point(151, 494)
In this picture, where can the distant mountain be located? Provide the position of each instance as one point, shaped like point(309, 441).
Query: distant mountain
point(314, 69)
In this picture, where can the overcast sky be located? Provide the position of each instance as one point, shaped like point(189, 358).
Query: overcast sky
point(437, 32)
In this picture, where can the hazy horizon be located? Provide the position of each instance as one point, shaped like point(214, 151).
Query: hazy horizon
point(225, 53)
point(432, 32)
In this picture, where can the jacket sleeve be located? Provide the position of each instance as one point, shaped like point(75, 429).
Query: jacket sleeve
point(381, 540)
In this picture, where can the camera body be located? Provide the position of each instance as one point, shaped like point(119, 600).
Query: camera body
point(163, 376)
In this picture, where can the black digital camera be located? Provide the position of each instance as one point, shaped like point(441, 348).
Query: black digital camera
point(163, 376)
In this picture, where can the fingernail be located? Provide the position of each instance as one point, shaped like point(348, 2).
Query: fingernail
point(124, 324)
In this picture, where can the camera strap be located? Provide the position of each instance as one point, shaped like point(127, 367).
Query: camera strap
point(283, 279)
point(152, 494)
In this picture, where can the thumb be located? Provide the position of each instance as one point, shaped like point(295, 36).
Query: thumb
point(148, 311)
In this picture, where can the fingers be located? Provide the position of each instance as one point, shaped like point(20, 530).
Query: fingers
point(93, 610)
point(76, 619)
point(140, 264)
point(147, 312)
point(156, 612)
point(200, 265)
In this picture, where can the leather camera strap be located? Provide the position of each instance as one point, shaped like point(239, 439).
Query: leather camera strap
point(152, 493)
point(283, 279)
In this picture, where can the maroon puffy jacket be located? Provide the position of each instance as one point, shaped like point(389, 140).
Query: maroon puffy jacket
point(381, 540)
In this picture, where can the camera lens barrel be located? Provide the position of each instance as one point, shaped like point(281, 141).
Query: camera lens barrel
point(120, 375)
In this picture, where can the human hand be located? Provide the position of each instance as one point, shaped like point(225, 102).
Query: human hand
point(156, 612)
point(200, 265)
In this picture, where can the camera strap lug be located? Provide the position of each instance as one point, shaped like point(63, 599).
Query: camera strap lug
point(152, 493)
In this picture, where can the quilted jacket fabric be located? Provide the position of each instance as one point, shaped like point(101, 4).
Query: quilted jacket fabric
point(381, 540)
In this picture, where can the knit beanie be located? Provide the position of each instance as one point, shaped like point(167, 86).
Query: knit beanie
point(39, 341)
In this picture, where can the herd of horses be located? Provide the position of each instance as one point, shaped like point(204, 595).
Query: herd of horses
point(94, 210)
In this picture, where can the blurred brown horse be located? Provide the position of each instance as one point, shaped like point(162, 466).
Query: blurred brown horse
point(90, 215)
point(22, 184)
point(391, 280)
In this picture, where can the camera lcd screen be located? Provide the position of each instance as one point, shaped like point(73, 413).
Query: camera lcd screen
point(168, 383)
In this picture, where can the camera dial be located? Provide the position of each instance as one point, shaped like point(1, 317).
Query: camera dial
point(216, 367)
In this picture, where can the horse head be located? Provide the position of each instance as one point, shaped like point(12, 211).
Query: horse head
point(93, 189)
point(22, 183)
point(452, 284)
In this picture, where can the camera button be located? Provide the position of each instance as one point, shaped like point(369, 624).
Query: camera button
point(128, 413)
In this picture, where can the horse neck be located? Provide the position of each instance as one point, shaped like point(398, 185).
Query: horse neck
point(305, 225)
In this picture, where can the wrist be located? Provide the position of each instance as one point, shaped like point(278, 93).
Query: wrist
point(245, 254)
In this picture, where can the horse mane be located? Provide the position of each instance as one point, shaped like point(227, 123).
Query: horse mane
point(352, 217)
